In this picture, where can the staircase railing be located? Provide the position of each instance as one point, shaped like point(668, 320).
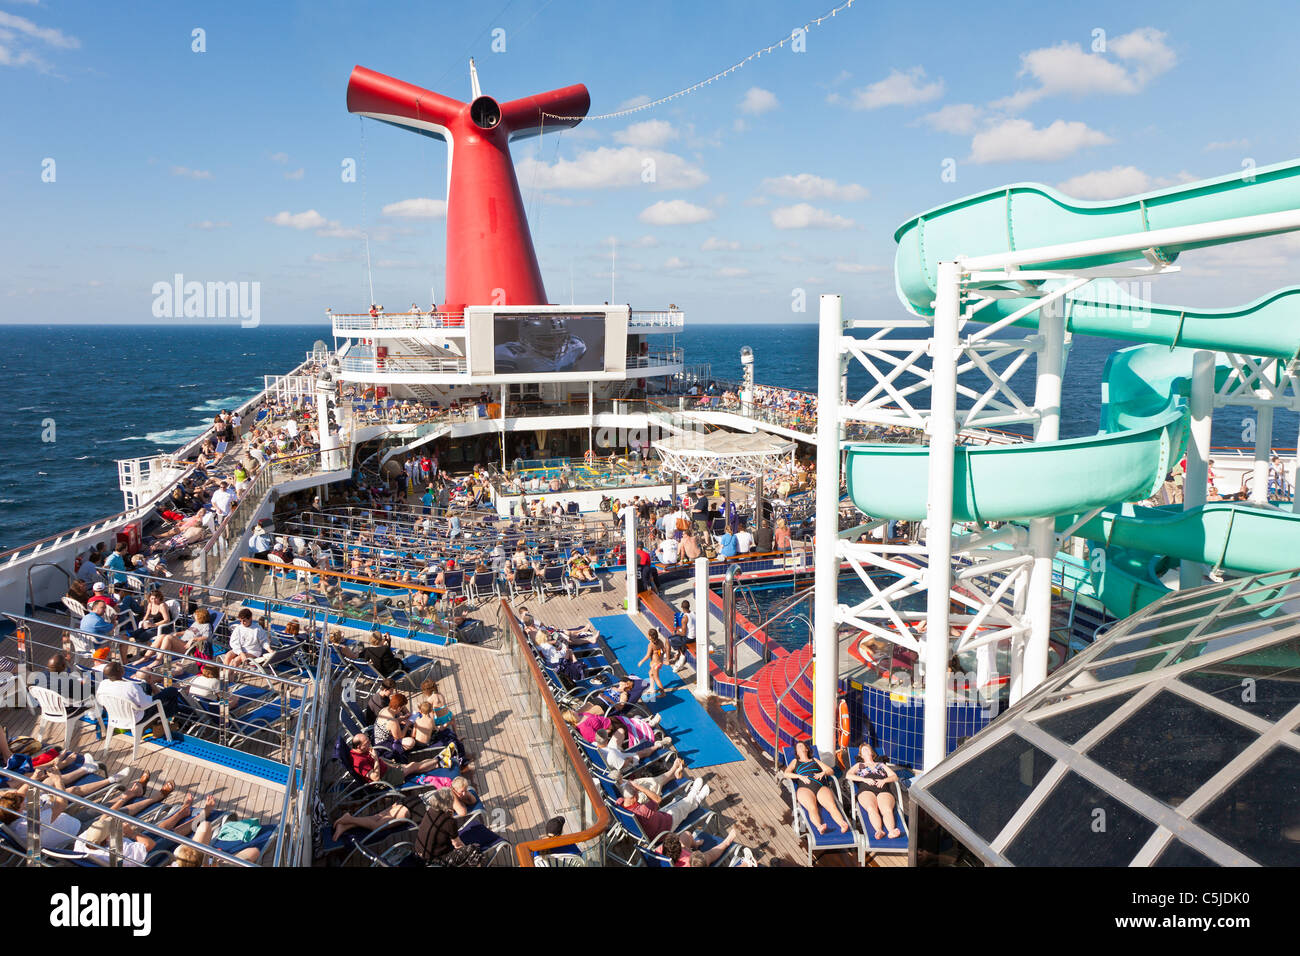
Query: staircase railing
point(776, 739)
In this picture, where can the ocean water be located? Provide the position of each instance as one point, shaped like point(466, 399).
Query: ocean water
point(120, 391)
point(115, 391)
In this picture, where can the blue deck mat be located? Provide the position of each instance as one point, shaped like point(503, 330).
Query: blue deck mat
point(700, 741)
point(271, 770)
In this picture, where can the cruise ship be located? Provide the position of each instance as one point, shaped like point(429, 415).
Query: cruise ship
point(675, 620)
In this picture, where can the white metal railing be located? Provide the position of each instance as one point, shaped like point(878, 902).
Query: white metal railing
point(289, 388)
point(656, 358)
point(399, 364)
point(670, 319)
point(365, 322)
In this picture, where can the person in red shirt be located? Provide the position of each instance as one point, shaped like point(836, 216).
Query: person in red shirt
point(366, 763)
point(647, 573)
point(100, 592)
point(646, 809)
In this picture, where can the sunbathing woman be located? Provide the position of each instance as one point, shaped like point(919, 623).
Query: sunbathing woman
point(655, 653)
point(814, 785)
point(373, 821)
point(876, 796)
point(136, 845)
point(203, 833)
point(590, 723)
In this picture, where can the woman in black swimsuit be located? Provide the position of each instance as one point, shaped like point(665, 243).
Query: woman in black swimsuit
point(815, 784)
point(877, 795)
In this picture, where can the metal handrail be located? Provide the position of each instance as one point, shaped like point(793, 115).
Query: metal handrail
point(524, 851)
point(798, 598)
point(776, 756)
point(31, 594)
point(119, 818)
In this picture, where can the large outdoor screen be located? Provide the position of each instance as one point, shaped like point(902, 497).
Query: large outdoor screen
point(550, 342)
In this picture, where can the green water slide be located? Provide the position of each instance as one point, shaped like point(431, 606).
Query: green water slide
point(1221, 534)
point(1028, 215)
point(1144, 389)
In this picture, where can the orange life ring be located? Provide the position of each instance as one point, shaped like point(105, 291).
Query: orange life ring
point(842, 739)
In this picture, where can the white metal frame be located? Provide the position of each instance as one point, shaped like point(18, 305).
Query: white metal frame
point(964, 287)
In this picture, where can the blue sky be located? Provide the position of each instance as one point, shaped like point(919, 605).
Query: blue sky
point(789, 174)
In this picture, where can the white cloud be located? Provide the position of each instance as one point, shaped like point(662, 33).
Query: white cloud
point(1227, 144)
point(808, 186)
point(1145, 48)
point(675, 212)
point(804, 216)
point(674, 262)
point(327, 228)
point(634, 102)
point(310, 219)
point(208, 224)
point(1067, 69)
point(958, 118)
point(417, 209)
point(755, 201)
point(610, 168)
point(20, 39)
point(281, 158)
point(900, 88)
point(1018, 139)
point(296, 174)
point(1118, 181)
point(731, 272)
point(649, 134)
point(857, 268)
point(713, 244)
point(758, 101)
point(191, 173)
point(641, 242)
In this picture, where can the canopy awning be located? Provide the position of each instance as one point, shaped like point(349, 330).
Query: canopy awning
point(697, 456)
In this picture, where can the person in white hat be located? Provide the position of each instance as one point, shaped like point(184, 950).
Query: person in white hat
point(100, 592)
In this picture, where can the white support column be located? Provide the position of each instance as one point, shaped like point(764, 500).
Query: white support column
point(938, 536)
point(1190, 573)
point(629, 546)
point(1029, 668)
point(1263, 447)
point(1295, 480)
point(826, 649)
point(703, 617)
point(330, 459)
point(591, 416)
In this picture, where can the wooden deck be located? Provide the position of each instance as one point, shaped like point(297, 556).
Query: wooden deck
point(237, 792)
point(746, 792)
point(511, 770)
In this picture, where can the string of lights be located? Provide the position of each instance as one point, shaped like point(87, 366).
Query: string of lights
point(618, 114)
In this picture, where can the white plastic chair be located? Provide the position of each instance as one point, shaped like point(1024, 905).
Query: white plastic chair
point(76, 610)
point(120, 714)
point(57, 709)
